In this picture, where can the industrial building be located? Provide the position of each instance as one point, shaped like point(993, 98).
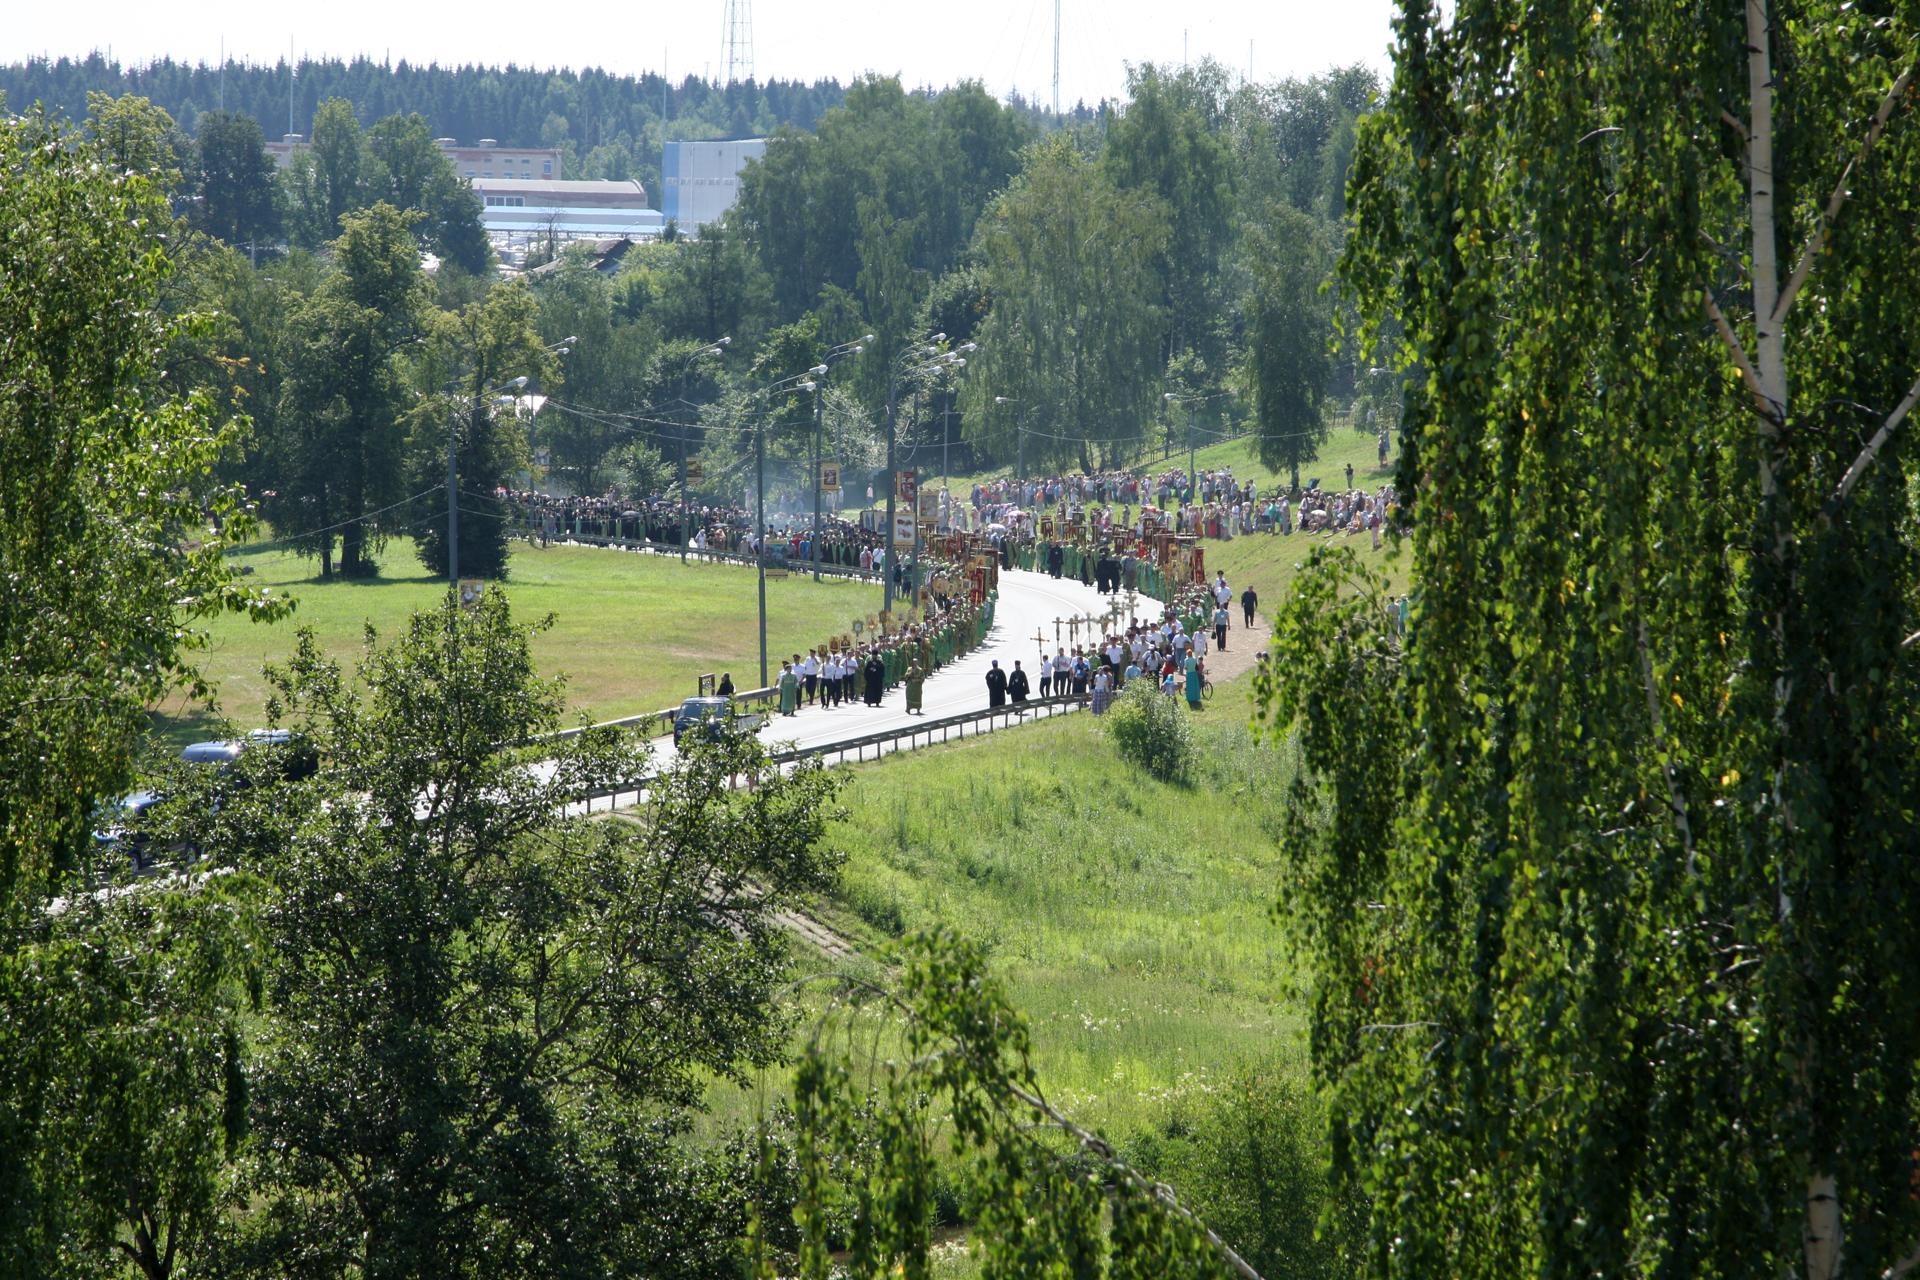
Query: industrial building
point(488, 160)
point(700, 181)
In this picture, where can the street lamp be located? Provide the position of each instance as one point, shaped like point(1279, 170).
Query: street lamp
point(819, 372)
point(798, 382)
point(919, 356)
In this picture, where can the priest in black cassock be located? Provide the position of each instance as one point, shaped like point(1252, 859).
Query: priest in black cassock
point(996, 686)
point(1017, 684)
point(876, 673)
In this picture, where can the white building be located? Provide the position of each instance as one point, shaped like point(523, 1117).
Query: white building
point(700, 181)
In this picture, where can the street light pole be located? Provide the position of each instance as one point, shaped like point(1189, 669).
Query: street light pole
point(760, 535)
point(819, 373)
point(453, 504)
point(1193, 483)
point(813, 547)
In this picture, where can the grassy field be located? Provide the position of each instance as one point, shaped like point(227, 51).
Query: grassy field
point(631, 632)
point(1129, 916)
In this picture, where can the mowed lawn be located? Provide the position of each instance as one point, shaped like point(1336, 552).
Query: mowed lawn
point(1131, 918)
point(631, 632)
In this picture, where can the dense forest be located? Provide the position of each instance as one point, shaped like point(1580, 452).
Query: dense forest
point(608, 126)
point(1152, 276)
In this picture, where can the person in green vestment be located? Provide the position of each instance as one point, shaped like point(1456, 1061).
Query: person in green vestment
point(789, 684)
point(916, 682)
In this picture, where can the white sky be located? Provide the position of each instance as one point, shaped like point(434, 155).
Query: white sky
point(1005, 44)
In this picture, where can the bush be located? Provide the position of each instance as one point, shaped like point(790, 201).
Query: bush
point(1253, 1165)
point(1151, 729)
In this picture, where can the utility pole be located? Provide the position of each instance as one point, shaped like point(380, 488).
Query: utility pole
point(1192, 476)
point(946, 437)
point(453, 502)
point(813, 547)
point(1056, 59)
point(760, 535)
point(682, 436)
point(886, 539)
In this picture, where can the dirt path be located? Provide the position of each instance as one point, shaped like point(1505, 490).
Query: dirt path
point(1244, 647)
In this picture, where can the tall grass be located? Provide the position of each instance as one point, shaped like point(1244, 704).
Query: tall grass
point(1130, 916)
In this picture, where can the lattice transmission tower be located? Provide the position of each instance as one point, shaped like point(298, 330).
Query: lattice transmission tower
point(738, 44)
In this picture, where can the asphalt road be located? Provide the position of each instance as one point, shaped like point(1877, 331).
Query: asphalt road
point(1028, 605)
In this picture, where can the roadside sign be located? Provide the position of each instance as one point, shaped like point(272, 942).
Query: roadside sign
point(471, 589)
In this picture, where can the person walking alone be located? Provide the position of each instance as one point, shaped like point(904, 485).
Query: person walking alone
point(789, 689)
point(1249, 601)
point(916, 684)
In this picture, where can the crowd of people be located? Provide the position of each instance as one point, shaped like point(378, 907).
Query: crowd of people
point(839, 675)
point(1114, 506)
point(548, 518)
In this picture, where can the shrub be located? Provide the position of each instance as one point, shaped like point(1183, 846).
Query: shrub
point(1253, 1165)
point(1151, 729)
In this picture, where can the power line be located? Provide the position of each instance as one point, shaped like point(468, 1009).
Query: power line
point(310, 533)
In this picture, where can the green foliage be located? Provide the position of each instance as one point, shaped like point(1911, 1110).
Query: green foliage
point(926, 167)
point(338, 447)
point(111, 527)
point(1609, 915)
point(482, 1019)
point(1251, 1160)
point(235, 179)
point(113, 1008)
point(344, 170)
point(1074, 333)
point(1169, 140)
point(1152, 730)
point(489, 343)
point(1051, 1197)
point(137, 137)
point(616, 366)
point(1288, 326)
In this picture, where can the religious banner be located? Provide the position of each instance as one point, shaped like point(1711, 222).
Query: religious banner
point(903, 529)
point(906, 484)
point(693, 471)
point(929, 505)
point(830, 477)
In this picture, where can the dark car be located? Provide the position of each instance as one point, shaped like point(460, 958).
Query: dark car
point(709, 716)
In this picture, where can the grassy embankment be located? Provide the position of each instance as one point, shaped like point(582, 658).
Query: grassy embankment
point(1129, 916)
point(630, 633)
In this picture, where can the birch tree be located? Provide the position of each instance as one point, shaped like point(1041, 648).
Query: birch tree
point(1613, 921)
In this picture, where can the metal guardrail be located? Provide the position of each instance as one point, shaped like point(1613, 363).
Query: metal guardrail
point(651, 724)
point(948, 728)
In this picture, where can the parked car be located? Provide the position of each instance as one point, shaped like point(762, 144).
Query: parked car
point(709, 716)
point(301, 762)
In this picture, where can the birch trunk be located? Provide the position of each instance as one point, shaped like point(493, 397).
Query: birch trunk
point(1822, 1239)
